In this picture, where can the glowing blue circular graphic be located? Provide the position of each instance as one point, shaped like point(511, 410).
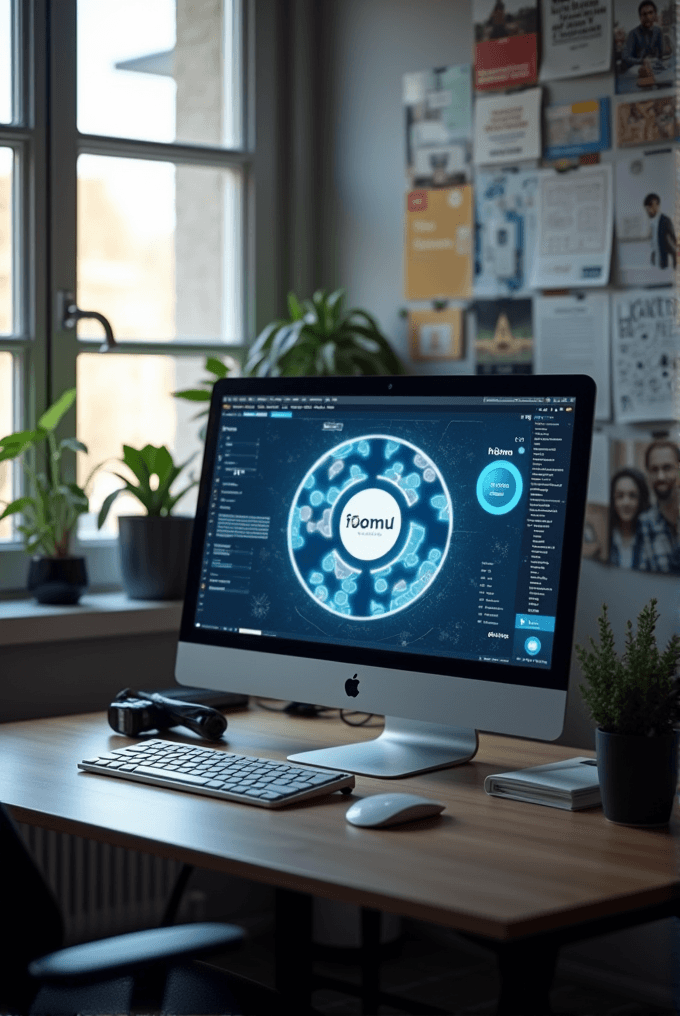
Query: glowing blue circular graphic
point(532, 645)
point(499, 487)
point(370, 527)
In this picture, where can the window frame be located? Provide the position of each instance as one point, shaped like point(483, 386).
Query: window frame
point(45, 61)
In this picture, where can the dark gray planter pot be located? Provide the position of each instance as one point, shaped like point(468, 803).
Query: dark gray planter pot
point(638, 776)
point(154, 555)
point(61, 580)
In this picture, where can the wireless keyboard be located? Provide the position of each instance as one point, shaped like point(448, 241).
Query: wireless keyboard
point(217, 773)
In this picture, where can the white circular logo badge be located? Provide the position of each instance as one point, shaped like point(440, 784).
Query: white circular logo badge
point(370, 524)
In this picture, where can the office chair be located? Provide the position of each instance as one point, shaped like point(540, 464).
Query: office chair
point(151, 968)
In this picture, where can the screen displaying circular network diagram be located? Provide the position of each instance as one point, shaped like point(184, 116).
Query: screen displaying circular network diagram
point(370, 527)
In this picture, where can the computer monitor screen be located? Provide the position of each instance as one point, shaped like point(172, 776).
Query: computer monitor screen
point(404, 546)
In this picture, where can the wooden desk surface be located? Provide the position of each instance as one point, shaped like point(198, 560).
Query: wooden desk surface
point(496, 868)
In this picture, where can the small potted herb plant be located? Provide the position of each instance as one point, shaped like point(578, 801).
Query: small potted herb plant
point(635, 701)
point(154, 548)
point(51, 506)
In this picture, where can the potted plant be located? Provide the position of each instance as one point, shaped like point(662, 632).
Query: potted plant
point(50, 508)
point(320, 338)
point(635, 701)
point(154, 548)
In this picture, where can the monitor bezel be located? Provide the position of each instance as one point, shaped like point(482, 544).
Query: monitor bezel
point(556, 676)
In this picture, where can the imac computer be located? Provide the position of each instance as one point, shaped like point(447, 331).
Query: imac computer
point(405, 546)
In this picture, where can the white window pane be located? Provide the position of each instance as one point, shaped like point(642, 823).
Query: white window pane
point(6, 413)
point(128, 400)
point(159, 249)
point(160, 70)
point(6, 240)
point(5, 61)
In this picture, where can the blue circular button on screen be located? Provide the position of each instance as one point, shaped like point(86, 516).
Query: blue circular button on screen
point(499, 487)
point(532, 645)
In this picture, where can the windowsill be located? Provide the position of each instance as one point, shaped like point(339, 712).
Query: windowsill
point(98, 615)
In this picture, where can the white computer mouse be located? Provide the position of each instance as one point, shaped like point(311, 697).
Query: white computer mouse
point(381, 810)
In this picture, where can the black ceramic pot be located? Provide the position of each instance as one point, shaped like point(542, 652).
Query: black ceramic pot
point(154, 555)
point(57, 579)
point(638, 776)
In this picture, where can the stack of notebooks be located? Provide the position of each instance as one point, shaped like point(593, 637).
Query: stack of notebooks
point(572, 784)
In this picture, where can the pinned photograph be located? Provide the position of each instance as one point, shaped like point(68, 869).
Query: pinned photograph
point(504, 337)
point(644, 45)
point(644, 123)
point(436, 334)
point(645, 234)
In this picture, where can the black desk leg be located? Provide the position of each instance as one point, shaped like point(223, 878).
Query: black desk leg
point(293, 950)
point(527, 970)
point(370, 960)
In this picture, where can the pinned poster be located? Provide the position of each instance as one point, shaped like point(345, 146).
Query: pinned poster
point(436, 334)
point(506, 43)
point(438, 106)
point(645, 349)
point(572, 337)
point(644, 46)
point(576, 38)
point(505, 208)
point(504, 336)
point(647, 122)
point(645, 233)
point(508, 127)
point(575, 221)
point(438, 258)
point(577, 129)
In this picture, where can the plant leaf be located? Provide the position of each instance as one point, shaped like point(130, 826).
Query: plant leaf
point(19, 505)
point(194, 395)
point(106, 507)
point(52, 416)
point(73, 444)
point(216, 367)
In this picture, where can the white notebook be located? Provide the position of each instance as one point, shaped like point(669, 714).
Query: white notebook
point(572, 784)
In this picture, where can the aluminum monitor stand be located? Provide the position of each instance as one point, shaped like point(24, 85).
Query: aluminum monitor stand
point(404, 748)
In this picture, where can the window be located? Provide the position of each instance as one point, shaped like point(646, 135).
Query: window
point(146, 208)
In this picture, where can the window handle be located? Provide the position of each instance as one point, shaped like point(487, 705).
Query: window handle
point(69, 314)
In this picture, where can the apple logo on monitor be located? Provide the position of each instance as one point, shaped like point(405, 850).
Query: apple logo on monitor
point(352, 686)
point(369, 527)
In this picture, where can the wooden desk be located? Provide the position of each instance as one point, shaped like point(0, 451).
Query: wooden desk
point(528, 877)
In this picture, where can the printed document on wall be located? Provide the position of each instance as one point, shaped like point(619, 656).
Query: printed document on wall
point(576, 38)
point(438, 257)
point(505, 208)
point(508, 127)
point(506, 43)
point(438, 107)
point(572, 337)
point(575, 218)
point(646, 346)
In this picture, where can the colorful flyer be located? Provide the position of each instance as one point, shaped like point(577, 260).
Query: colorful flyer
point(644, 46)
point(645, 233)
point(504, 336)
point(508, 127)
point(646, 346)
point(506, 231)
point(575, 221)
point(438, 258)
point(576, 38)
point(646, 122)
point(506, 43)
point(436, 334)
point(438, 106)
point(578, 129)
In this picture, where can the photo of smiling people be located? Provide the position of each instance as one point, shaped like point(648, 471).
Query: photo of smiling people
point(644, 507)
point(644, 45)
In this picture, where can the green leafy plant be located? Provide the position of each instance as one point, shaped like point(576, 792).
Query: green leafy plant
point(638, 692)
point(51, 507)
point(322, 338)
point(155, 472)
point(217, 369)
